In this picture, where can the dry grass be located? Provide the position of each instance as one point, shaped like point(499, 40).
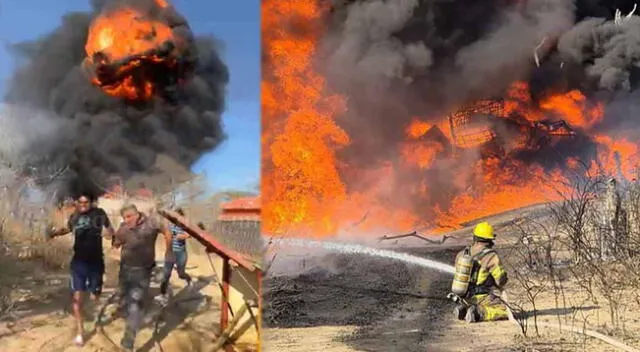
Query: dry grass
point(5, 285)
point(23, 227)
point(22, 240)
point(583, 257)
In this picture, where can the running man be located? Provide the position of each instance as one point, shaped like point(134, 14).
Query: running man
point(179, 246)
point(137, 237)
point(87, 263)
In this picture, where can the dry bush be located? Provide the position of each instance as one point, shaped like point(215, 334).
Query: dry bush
point(5, 279)
point(28, 237)
point(595, 224)
point(537, 262)
point(527, 264)
point(22, 228)
point(589, 240)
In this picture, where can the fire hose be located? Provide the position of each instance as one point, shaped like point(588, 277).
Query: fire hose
point(575, 330)
point(572, 329)
point(609, 340)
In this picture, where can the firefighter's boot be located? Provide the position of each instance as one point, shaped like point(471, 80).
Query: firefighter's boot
point(472, 315)
point(460, 311)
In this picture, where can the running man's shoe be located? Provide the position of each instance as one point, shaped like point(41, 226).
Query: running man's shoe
point(126, 344)
point(163, 300)
point(78, 341)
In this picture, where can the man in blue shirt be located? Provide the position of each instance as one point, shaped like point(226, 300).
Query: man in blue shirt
point(179, 246)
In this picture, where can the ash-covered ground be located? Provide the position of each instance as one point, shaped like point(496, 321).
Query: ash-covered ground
point(349, 302)
point(348, 289)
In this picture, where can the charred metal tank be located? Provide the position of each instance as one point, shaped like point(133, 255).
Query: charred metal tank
point(484, 125)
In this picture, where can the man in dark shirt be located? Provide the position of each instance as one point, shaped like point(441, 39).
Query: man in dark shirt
point(87, 263)
point(137, 237)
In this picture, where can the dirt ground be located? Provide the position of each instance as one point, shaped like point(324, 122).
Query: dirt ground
point(343, 303)
point(40, 321)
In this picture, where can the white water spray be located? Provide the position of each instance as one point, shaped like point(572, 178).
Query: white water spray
point(375, 252)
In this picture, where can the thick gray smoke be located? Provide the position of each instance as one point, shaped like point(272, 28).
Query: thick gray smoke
point(399, 59)
point(367, 45)
point(28, 140)
point(99, 136)
point(608, 51)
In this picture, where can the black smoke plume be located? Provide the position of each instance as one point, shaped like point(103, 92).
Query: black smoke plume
point(396, 60)
point(105, 136)
point(400, 59)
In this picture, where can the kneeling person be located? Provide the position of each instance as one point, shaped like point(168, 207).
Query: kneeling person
point(487, 279)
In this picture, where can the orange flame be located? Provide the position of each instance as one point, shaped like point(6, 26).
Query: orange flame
point(573, 107)
point(417, 128)
point(162, 3)
point(608, 148)
point(309, 190)
point(301, 137)
point(123, 34)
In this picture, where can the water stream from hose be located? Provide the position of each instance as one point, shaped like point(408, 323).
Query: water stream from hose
point(349, 248)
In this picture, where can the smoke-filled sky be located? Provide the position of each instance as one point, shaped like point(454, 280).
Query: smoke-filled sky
point(235, 163)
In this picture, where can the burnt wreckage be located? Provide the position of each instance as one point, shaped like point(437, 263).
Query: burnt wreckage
point(485, 125)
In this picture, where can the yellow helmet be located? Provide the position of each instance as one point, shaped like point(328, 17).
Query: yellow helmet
point(484, 231)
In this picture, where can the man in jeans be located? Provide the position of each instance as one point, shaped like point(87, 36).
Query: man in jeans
point(179, 246)
point(137, 237)
point(87, 264)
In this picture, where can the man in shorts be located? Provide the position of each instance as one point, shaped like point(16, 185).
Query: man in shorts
point(87, 264)
point(137, 237)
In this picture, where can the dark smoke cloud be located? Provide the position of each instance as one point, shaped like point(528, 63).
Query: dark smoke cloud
point(400, 59)
point(601, 8)
point(396, 60)
point(105, 136)
point(609, 52)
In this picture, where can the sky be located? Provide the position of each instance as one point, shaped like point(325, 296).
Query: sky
point(236, 163)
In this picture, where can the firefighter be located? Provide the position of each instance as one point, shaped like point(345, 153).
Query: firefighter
point(482, 300)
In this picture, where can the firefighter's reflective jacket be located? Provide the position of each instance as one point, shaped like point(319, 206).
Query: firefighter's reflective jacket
point(487, 273)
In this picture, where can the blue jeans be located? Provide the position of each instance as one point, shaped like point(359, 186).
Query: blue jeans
point(180, 264)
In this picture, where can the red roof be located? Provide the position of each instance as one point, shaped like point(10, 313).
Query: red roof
point(243, 203)
point(144, 193)
point(247, 208)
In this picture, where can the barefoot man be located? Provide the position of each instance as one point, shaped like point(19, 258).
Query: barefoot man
point(87, 263)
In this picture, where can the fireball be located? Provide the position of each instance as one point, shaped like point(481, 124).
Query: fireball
point(134, 53)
